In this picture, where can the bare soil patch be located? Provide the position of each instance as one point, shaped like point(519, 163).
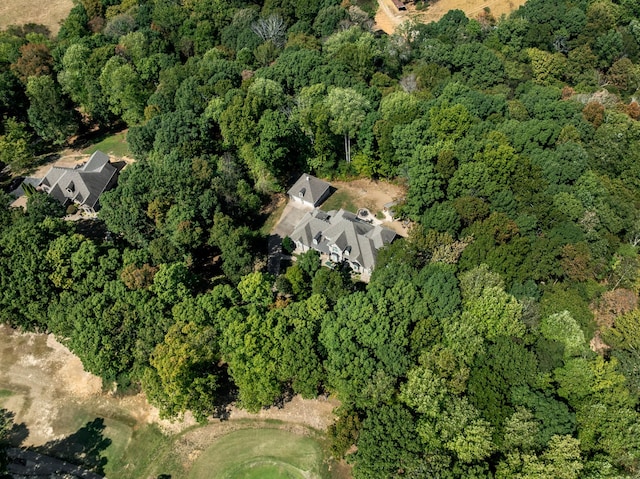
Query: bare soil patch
point(20, 12)
point(52, 395)
point(388, 17)
point(67, 159)
point(373, 195)
point(45, 378)
point(369, 193)
point(471, 8)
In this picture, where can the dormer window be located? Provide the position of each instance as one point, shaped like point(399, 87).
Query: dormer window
point(302, 192)
point(346, 251)
point(317, 237)
point(71, 188)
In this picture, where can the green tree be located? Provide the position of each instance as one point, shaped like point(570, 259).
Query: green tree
point(459, 429)
point(49, 113)
point(79, 78)
point(495, 313)
point(547, 68)
point(235, 244)
point(425, 183)
point(251, 348)
point(185, 374)
point(123, 90)
point(255, 288)
point(562, 327)
point(387, 444)
point(369, 338)
point(348, 109)
point(16, 145)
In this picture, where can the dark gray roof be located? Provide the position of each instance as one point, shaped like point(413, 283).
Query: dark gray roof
point(83, 184)
point(19, 191)
point(362, 240)
point(309, 188)
point(96, 162)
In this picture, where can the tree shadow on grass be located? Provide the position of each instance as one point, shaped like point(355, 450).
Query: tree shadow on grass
point(11, 434)
point(85, 447)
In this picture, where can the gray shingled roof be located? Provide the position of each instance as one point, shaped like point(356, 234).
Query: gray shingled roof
point(309, 188)
point(19, 191)
point(341, 228)
point(82, 184)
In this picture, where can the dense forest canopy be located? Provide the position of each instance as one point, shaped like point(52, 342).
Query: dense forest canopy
point(500, 340)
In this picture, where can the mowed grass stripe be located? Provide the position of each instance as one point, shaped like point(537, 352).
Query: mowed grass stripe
point(261, 453)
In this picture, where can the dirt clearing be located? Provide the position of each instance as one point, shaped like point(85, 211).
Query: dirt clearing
point(388, 17)
point(21, 12)
point(46, 387)
point(471, 8)
point(370, 194)
point(365, 193)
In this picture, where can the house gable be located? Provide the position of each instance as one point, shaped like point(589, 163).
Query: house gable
point(343, 237)
point(309, 190)
point(82, 185)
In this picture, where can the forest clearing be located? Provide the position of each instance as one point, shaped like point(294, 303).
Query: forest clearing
point(62, 411)
point(499, 339)
point(388, 17)
point(21, 12)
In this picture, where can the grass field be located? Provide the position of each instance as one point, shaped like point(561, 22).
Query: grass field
point(144, 453)
point(20, 12)
point(261, 454)
point(114, 145)
point(61, 411)
point(341, 198)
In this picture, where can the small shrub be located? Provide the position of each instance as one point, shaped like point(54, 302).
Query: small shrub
point(283, 285)
point(288, 245)
point(72, 209)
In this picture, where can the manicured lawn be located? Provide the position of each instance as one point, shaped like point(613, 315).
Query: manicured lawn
point(340, 199)
point(115, 145)
point(146, 452)
point(261, 453)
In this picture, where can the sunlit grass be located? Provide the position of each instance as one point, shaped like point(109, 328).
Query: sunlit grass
point(114, 145)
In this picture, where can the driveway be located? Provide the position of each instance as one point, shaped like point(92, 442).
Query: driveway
point(291, 216)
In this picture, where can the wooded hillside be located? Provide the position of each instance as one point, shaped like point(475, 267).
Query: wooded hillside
point(468, 354)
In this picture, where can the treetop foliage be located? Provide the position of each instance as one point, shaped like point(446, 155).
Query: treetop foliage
point(500, 339)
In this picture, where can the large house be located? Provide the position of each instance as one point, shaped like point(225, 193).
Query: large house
point(309, 191)
point(83, 184)
point(343, 237)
